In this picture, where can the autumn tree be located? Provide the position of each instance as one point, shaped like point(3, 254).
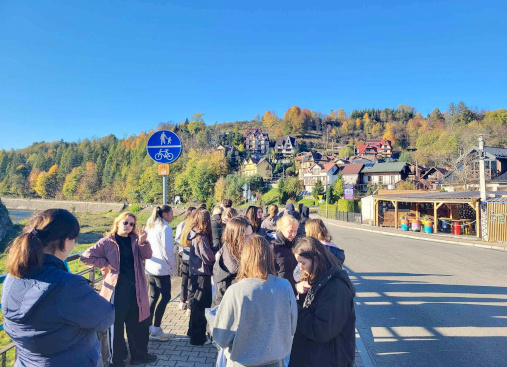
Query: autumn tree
point(270, 119)
point(196, 123)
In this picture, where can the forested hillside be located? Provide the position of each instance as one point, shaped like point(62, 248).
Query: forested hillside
point(112, 169)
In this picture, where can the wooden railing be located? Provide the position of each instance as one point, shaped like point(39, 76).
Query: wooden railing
point(91, 278)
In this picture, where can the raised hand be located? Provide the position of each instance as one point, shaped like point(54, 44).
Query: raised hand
point(142, 236)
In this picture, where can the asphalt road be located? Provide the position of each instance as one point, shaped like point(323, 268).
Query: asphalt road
point(421, 303)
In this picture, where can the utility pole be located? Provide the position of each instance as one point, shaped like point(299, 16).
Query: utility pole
point(327, 196)
point(482, 170)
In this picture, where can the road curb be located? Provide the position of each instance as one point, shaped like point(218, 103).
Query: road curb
point(365, 357)
point(495, 248)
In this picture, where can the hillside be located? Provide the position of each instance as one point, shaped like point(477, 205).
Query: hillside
point(116, 170)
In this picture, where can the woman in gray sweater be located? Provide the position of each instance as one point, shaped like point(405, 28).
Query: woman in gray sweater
point(249, 335)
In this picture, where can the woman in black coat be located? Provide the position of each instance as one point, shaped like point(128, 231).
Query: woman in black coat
point(325, 333)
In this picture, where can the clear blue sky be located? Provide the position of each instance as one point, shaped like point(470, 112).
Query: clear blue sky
point(85, 68)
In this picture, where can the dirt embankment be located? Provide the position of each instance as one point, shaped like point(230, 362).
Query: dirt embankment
point(72, 206)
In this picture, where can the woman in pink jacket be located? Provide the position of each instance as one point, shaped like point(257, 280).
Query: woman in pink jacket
point(120, 255)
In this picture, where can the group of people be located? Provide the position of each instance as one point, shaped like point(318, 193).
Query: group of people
point(275, 284)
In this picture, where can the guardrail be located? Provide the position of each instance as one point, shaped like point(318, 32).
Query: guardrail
point(91, 278)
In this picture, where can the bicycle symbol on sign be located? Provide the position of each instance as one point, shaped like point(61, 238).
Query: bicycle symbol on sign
point(163, 153)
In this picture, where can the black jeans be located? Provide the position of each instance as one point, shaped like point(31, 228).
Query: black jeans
point(127, 314)
point(185, 281)
point(159, 286)
point(200, 293)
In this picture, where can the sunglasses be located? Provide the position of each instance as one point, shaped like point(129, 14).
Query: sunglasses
point(127, 223)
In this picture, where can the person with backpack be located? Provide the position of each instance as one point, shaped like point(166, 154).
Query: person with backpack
point(184, 254)
point(325, 333)
point(216, 228)
point(198, 238)
point(225, 270)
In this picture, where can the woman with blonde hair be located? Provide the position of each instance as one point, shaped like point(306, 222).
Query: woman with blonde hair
point(160, 267)
point(227, 259)
point(283, 242)
point(316, 228)
point(325, 334)
point(51, 315)
point(269, 224)
point(252, 213)
point(184, 254)
point(197, 236)
point(120, 255)
point(249, 335)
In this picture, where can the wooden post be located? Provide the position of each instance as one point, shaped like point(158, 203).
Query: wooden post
point(435, 215)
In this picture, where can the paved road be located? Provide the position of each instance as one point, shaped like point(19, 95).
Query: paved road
point(427, 304)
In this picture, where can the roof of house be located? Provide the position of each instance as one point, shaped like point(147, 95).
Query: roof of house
point(328, 166)
point(362, 147)
point(498, 152)
point(385, 167)
point(352, 169)
point(501, 178)
point(434, 169)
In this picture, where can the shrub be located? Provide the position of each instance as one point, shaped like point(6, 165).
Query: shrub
point(134, 208)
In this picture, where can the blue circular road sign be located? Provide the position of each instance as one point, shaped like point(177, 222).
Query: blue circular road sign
point(164, 146)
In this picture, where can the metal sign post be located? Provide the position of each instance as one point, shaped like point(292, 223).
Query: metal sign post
point(164, 147)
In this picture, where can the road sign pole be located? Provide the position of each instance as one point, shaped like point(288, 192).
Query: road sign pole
point(164, 188)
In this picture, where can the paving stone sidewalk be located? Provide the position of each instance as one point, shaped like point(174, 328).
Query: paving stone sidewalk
point(178, 352)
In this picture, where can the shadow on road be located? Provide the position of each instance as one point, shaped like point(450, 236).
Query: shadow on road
point(409, 319)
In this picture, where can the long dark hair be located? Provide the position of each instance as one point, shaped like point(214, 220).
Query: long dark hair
point(47, 230)
point(255, 221)
point(322, 260)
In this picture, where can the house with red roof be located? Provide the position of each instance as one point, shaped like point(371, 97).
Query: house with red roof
point(327, 173)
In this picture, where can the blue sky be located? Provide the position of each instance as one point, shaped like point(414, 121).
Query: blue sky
point(88, 68)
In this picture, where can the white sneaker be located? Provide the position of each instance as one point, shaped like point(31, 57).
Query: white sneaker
point(182, 306)
point(156, 333)
point(187, 312)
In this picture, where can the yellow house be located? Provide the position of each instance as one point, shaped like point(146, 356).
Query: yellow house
point(253, 166)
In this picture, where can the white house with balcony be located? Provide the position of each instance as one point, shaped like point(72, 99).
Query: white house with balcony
point(386, 175)
point(325, 172)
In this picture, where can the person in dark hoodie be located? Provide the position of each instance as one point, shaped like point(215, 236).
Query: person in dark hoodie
point(226, 265)
point(305, 216)
point(51, 315)
point(198, 238)
point(289, 209)
point(325, 332)
point(216, 228)
point(282, 242)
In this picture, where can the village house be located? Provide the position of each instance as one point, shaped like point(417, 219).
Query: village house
point(285, 145)
point(256, 142)
point(375, 149)
point(327, 173)
point(431, 176)
point(386, 175)
point(466, 175)
point(254, 166)
point(306, 160)
point(351, 173)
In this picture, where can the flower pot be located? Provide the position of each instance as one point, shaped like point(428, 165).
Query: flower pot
point(416, 225)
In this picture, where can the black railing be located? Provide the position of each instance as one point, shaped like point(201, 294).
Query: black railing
point(92, 279)
point(338, 215)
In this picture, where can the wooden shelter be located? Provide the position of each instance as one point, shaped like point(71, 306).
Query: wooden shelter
point(414, 201)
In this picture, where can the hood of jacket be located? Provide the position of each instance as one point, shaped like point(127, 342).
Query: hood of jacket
point(25, 294)
point(217, 218)
point(281, 240)
point(225, 265)
point(339, 273)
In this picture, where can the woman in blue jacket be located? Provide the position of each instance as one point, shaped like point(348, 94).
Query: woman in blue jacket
point(51, 315)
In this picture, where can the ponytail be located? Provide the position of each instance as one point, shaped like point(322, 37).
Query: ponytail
point(46, 232)
point(156, 215)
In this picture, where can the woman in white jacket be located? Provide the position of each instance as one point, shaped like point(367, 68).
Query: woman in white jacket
point(160, 267)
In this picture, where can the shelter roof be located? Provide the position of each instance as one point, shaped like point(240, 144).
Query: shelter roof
point(432, 196)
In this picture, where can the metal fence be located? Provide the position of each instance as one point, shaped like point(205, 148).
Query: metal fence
point(91, 278)
point(338, 215)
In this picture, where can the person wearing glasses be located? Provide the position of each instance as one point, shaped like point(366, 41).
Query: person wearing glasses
point(120, 255)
